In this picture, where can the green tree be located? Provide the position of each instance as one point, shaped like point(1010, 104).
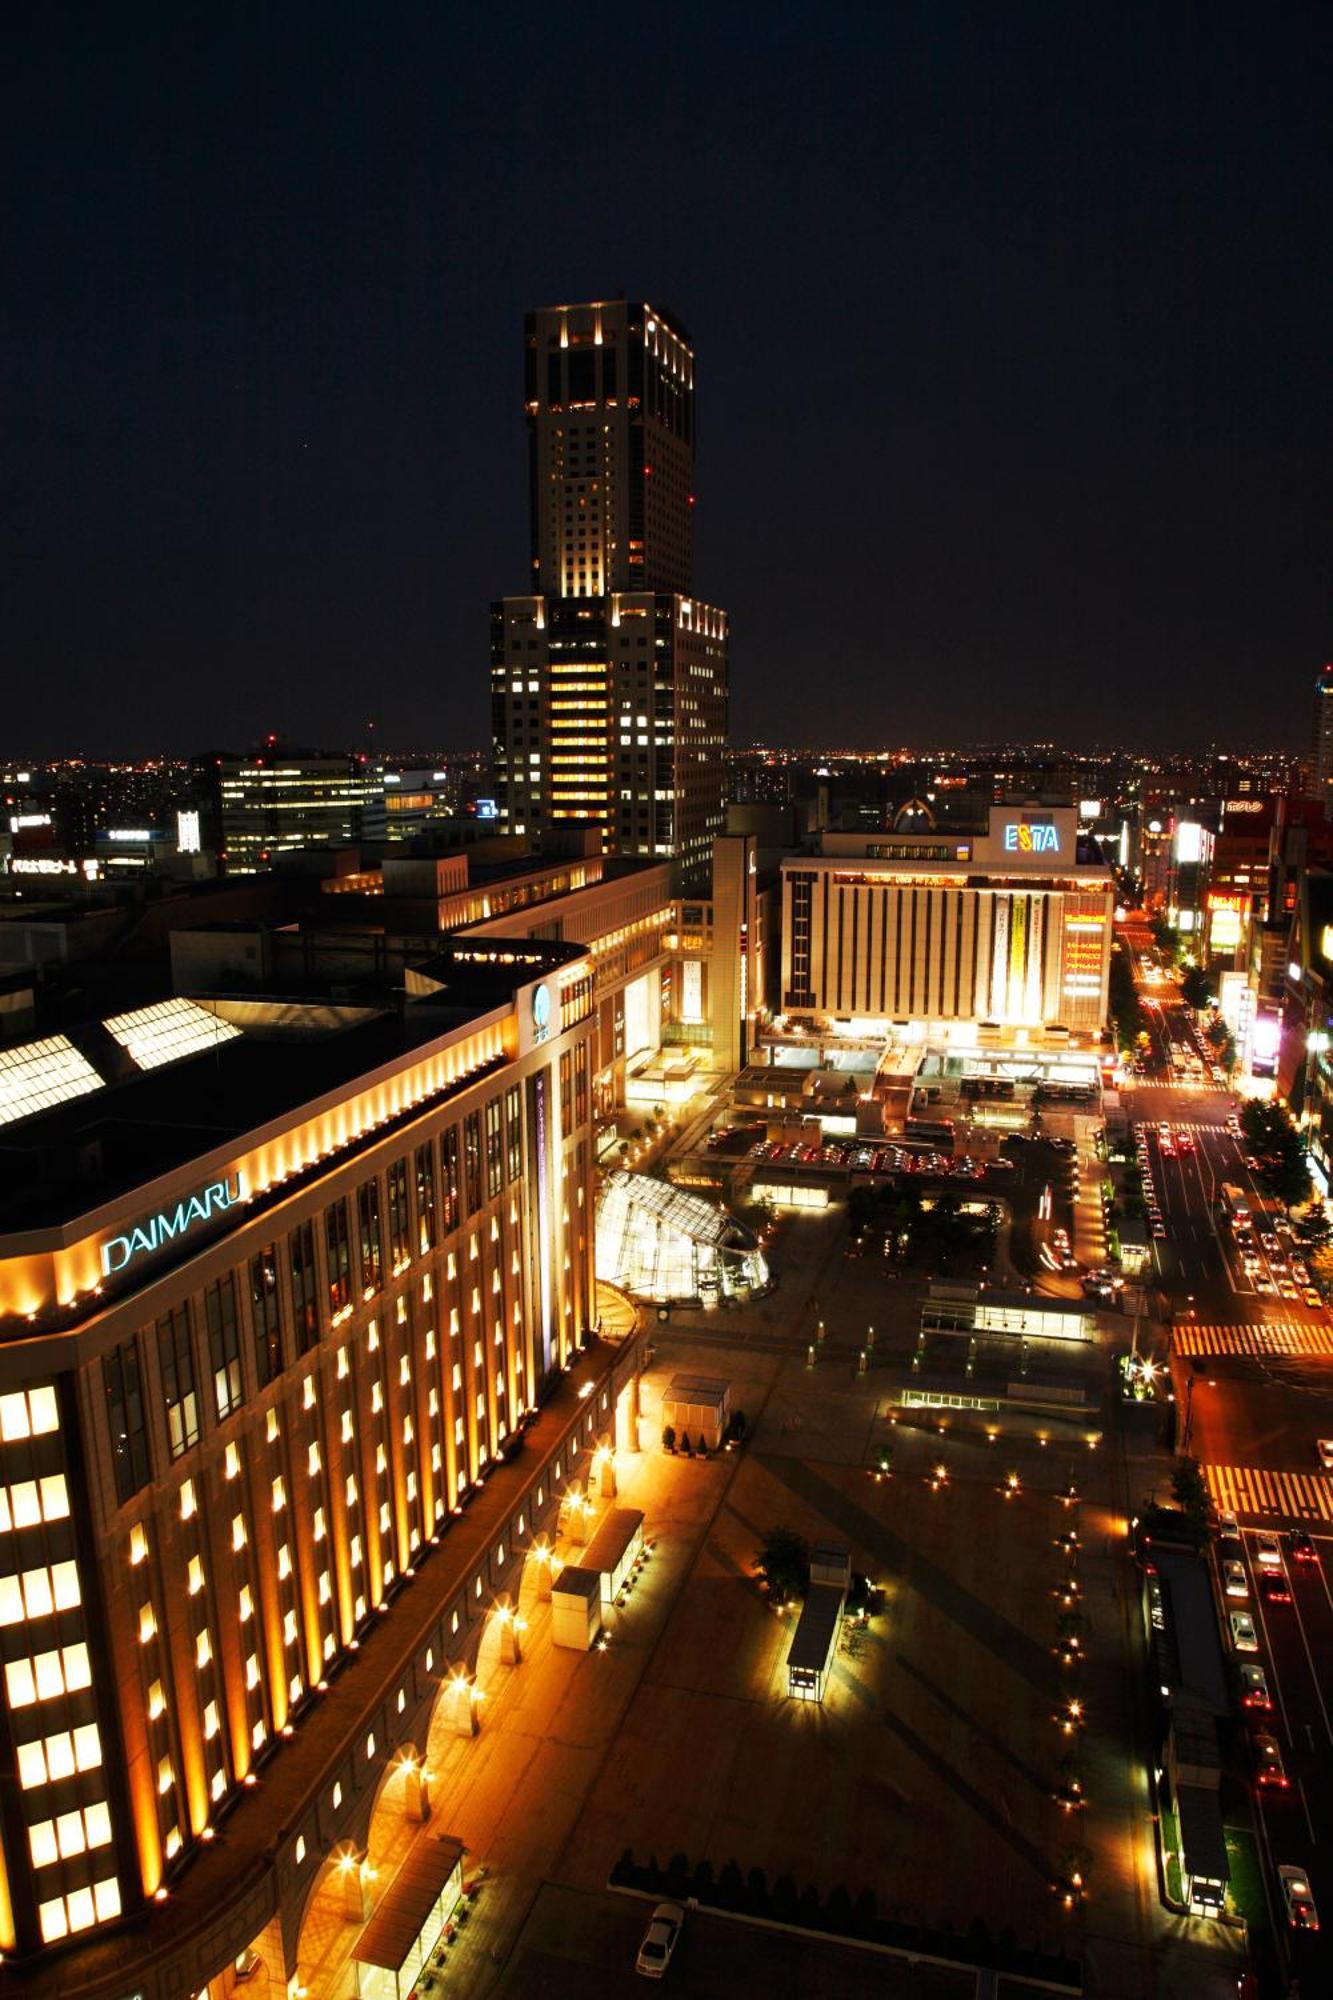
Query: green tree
point(1191, 1494)
point(1126, 1007)
point(1196, 989)
point(784, 1564)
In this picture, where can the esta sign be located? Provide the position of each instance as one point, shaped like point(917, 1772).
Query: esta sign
point(541, 1012)
point(1031, 836)
point(168, 1223)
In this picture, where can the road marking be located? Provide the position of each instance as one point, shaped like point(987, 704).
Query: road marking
point(1258, 1338)
point(1254, 1489)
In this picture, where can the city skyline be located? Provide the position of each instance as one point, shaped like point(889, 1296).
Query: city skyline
point(1041, 439)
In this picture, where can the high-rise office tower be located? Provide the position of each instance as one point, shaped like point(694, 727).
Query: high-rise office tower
point(609, 681)
point(1321, 748)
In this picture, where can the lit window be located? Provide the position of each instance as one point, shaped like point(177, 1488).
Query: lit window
point(37, 1592)
point(97, 1821)
point(70, 1834)
point(138, 1545)
point(78, 1667)
point(203, 1650)
point(106, 1896)
point(42, 1841)
point(54, 1922)
point(187, 1500)
point(65, 1585)
point(195, 1575)
point(11, 1601)
point(50, 1679)
point(166, 1777)
point(233, 1461)
point(32, 1765)
point(245, 1604)
point(87, 1747)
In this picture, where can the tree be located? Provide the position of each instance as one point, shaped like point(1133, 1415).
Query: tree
point(1126, 1008)
point(784, 1564)
point(1196, 989)
point(1191, 1493)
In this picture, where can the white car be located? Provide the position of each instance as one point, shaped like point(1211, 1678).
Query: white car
point(1268, 1551)
point(1243, 1635)
point(1234, 1581)
point(1227, 1524)
point(659, 1940)
point(1324, 1449)
point(1296, 1894)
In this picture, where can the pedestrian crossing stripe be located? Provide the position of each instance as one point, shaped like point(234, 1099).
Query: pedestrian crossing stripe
point(1252, 1489)
point(1262, 1339)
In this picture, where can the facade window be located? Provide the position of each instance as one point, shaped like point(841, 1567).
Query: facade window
point(513, 1134)
point(266, 1315)
point(337, 1243)
point(581, 1083)
point(494, 1150)
point(449, 1178)
point(372, 1246)
point(400, 1240)
point(427, 1218)
point(566, 1094)
point(176, 1361)
point(472, 1161)
point(125, 1418)
point(224, 1345)
point(305, 1286)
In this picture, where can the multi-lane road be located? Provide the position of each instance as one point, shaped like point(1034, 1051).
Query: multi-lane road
point(1254, 1382)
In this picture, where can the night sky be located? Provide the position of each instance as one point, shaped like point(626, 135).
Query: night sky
point(1013, 323)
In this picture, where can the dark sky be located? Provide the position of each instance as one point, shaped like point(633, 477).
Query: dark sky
point(1014, 327)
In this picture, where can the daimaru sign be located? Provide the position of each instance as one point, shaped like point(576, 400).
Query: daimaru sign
point(1031, 836)
point(155, 1231)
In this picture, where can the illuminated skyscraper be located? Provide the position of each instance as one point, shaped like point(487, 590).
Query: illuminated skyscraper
point(609, 683)
point(1321, 758)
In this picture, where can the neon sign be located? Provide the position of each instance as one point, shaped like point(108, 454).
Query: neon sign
point(1031, 837)
point(169, 1223)
point(541, 1012)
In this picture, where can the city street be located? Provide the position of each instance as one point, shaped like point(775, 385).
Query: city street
point(1253, 1374)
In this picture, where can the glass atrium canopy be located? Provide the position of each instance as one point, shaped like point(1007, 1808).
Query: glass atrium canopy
point(660, 1242)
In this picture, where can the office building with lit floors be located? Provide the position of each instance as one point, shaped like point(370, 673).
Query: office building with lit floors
point(295, 1363)
point(609, 680)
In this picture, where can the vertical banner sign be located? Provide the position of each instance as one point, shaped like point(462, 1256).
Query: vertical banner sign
point(1036, 938)
point(999, 959)
point(1018, 937)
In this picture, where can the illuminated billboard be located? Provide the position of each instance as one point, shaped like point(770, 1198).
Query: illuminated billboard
point(1189, 840)
point(1226, 915)
point(1265, 1041)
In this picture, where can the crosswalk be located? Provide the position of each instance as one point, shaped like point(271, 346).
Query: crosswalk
point(1261, 1339)
point(1250, 1489)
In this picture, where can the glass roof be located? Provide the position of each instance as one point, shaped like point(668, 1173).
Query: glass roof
point(37, 1075)
point(166, 1032)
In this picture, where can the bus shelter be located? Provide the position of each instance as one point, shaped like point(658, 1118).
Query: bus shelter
point(397, 1943)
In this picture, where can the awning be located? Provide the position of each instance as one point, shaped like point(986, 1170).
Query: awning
point(407, 1902)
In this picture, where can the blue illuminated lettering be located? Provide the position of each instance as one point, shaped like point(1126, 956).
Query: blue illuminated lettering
point(168, 1223)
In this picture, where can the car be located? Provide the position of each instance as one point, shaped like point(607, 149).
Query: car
point(1313, 1299)
point(1324, 1453)
point(1249, 1263)
point(1227, 1524)
point(1287, 1287)
point(1273, 1587)
point(1159, 1228)
point(1234, 1580)
point(1168, 1147)
point(1265, 1286)
point(1254, 1688)
point(1299, 1271)
point(1269, 1769)
point(1267, 1551)
point(1301, 1912)
point(1252, 1163)
point(1243, 1635)
point(1301, 1547)
point(659, 1940)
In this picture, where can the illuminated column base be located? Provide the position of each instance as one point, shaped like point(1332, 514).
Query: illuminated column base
point(607, 1486)
point(416, 1797)
point(460, 1709)
point(356, 1879)
point(511, 1643)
